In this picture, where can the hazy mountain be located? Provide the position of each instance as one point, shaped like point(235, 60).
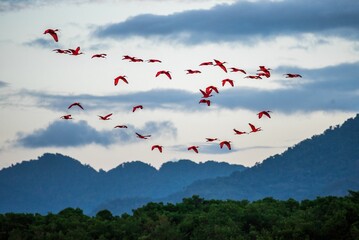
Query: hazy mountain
point(54, 182)
point(326, 164)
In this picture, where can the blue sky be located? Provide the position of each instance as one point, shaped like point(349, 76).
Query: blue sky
point(318, 40)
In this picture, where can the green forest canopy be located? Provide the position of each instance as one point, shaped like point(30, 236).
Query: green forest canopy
point(196, 218)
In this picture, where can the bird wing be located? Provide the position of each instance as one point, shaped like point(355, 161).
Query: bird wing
point(168, 75)
point(108, 115)
point(54, 35)
point(252, 126)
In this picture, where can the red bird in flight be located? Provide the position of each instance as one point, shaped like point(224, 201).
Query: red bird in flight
point(137, 107)
point(220, 64)
point(238, 132)
point(143, 136)
point(75, 52)
point(206, 94)
point(167, 73)
point(153, 60)
point(67, 117)
point(254, 77)
point(227, 80)
point(123, 78)
point(107, 117)
point(190, 71)
point(254, 129)
point(211, 139)
point(63, 51)
point(99, 55)
point(159, 147)
point(208, 102)
point(225, 143)
point(120, 126)
point(292, 75)
point(127, 57)
point(263, 113)
point(134, 59)
point(209, 89)
point(76, 104)
point(206, 64)
point(233, 69)
point(194, 148)
point(53, 33)
point(265, 71)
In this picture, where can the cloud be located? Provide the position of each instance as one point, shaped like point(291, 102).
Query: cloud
point(13, 5)
point(243, 21)
point(152, 99)
point(332, 88)
point(3, 84)
point(73, 134)
point(42, 43)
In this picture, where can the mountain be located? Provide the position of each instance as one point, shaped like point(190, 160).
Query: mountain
point(326, 164)
point(54, 182)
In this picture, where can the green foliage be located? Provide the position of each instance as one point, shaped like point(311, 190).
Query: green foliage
point(198, 219)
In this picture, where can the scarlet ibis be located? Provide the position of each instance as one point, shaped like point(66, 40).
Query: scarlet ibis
point(153, 60)
point(292, 75)
point(208, 102)
point(194, 148)
point(265, 71)
point(264, 74)
point(254, 77)
point(265, 113)
point(254, 129)
point(75, 104)
point(63, 51)
point(167, 73)
point(159, 147)
point(134, 59)
point(137, 107)
point(211, 88)
point(220, 64)
point(107, 117)
point(211, 139)
point(206, 94)
point(237, 132)
point(190, 71)
point(127, 57)
point(143, 136)
point(225, 143)
point(76, 51)
point(99, 55)
point(227, 80)
point(66, 117)
point(206, 64)
point(53, 33)
point(120, 126)
point(233, 69)
point(117, 79)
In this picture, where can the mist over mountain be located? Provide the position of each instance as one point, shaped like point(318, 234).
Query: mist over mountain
point(54, 182)
point(326, 164)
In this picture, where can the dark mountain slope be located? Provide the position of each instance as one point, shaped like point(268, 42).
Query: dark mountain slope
point(54, 182)
point(326, 164)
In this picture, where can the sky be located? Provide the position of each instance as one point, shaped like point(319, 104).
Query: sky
point(316, 39)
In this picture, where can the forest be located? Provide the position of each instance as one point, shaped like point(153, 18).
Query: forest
point(197, 218)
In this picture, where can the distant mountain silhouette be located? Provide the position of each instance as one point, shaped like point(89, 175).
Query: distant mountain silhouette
point(54, 182)
point(326, 164)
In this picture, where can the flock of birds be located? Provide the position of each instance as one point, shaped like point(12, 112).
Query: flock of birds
point(262, 72)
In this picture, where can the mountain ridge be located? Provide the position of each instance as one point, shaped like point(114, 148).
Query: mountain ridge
point(54, 181)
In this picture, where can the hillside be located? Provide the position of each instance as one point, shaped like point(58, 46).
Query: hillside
point(326, 164)
point(54, 182)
